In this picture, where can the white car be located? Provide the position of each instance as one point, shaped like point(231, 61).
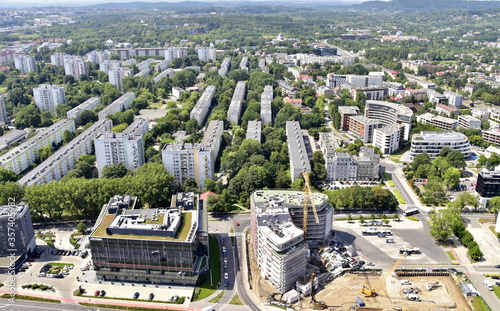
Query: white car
point(226, 276)
point(225, 260)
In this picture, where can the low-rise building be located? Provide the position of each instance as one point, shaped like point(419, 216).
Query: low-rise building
point(480, 113)
point(492, 136)
point(447, 110)
point(177, 92)
point(432, 143)
point(363, 127)
point(254, 130)
point(469, 122)
point(443, 123)
point(11, 138)
point(152, 246)
point(297, 152)
point(368, 163)
point(371, 92)
point(121, 104)
point(345, 113)
point(389, 138)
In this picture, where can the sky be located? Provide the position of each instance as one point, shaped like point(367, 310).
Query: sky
point(46, 3)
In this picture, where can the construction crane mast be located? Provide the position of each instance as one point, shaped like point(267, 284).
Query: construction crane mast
point(371, 292)
point(308, 199)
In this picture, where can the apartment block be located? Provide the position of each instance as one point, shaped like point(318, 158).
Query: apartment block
point(363, 127)
point(75, 66)
point(168, 252)
point(20, 158)
point(175, 52)
point(224, 67)
point(121, 104)
point(64, 159)
point(126, 147)
point(89, 104)
point(299, 160)
point(143, 73)
point(266, 99)
point(202, 107)
point(432, 143)
point(334, 80)
point(25, 63)
point(169, 72)
point(244, 63)
point(492, 136)
point(108, 65)
point(195, 161)
point(234, 110)
point(368, 164)
point(15, 221)
point(262, 65)
point(116, 76)
point(57, 59)
point(254, 130)
point(390, 113)
point(443, 123)
point(4, 119)
point(146, 64)
point(454, 99)
point(480, 113)
point(48, 96)
point(207, 53)
point(371, 92)
point(447, 110)
point(389, 138)
point(364, 81)
point(98, 57)
point(345, 113)
point(469, 122)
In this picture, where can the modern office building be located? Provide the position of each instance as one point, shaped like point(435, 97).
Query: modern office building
point(254, 130)
point(89, 104)
point(121, 104)
point(234, 110)
point(389, 138)
point(64, 159)
point(152, 246)
point(12, 137)
point(127, 147)
point(280, 251)
point(57, 59)
point(266, 99)
point(75, 66)
point(432, 143)
point(469, 122)
point(25, 63)
point(197, 161)
point(492, 136)
point(363, 127)
point(389, 113)
point(15, 223)
point(368, 164)
point(371, 92)
point(207, 53)
point(48, 96)
point(224, 67)
point(4, 119)
point(21, 157)
point(317, 233)
point(488, 183)
point(116, 76)
point(297, 152)
point(364, 81)
point(202, 107)
point(345, 113)
point(443, 123)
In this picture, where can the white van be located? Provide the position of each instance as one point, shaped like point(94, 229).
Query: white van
point(405, 282)
point(488, 284)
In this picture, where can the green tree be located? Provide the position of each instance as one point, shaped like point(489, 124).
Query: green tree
point(494, 205)
point(452, 178)
point(114, 171)
point(439, 226)
point(456, 159)
point(45, 152)
point(419, 160)
point(81, 228)
point(7, 175)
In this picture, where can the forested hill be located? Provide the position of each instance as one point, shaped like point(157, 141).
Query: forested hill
point(155, 5)
point(427, 5)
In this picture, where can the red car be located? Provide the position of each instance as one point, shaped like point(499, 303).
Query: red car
point(97, 292)
point(237, 223)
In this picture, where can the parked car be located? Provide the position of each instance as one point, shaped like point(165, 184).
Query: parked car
point(497, 266)
point(151, 296)
point(497, 283)
point(495, 277)
point(226, 283)
point(226, 276)
point(136, 295)
point(97, 292)
point(175, 298)
point(102, 293)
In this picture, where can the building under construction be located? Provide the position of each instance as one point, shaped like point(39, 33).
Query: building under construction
point(278, 235)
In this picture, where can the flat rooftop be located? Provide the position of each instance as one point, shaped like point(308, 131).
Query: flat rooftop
point(277, 198)
point(439, 136)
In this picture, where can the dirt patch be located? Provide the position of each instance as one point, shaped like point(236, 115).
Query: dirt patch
point(341, 293)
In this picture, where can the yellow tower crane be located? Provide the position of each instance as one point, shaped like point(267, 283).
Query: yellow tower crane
point(371, 291)
point(308, 199)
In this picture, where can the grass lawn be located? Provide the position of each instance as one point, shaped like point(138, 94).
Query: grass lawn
point(450, 254)
point(389, 179)
point(496, 290)
point(399, 196)
point(396, 156)
point(413, 218)
point(478, 304)
point(100, 305)
point(206, 288)
point(217, 298)
point(60, 264)
point(236, 301)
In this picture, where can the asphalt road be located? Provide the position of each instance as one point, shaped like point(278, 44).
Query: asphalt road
point(24, 305)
